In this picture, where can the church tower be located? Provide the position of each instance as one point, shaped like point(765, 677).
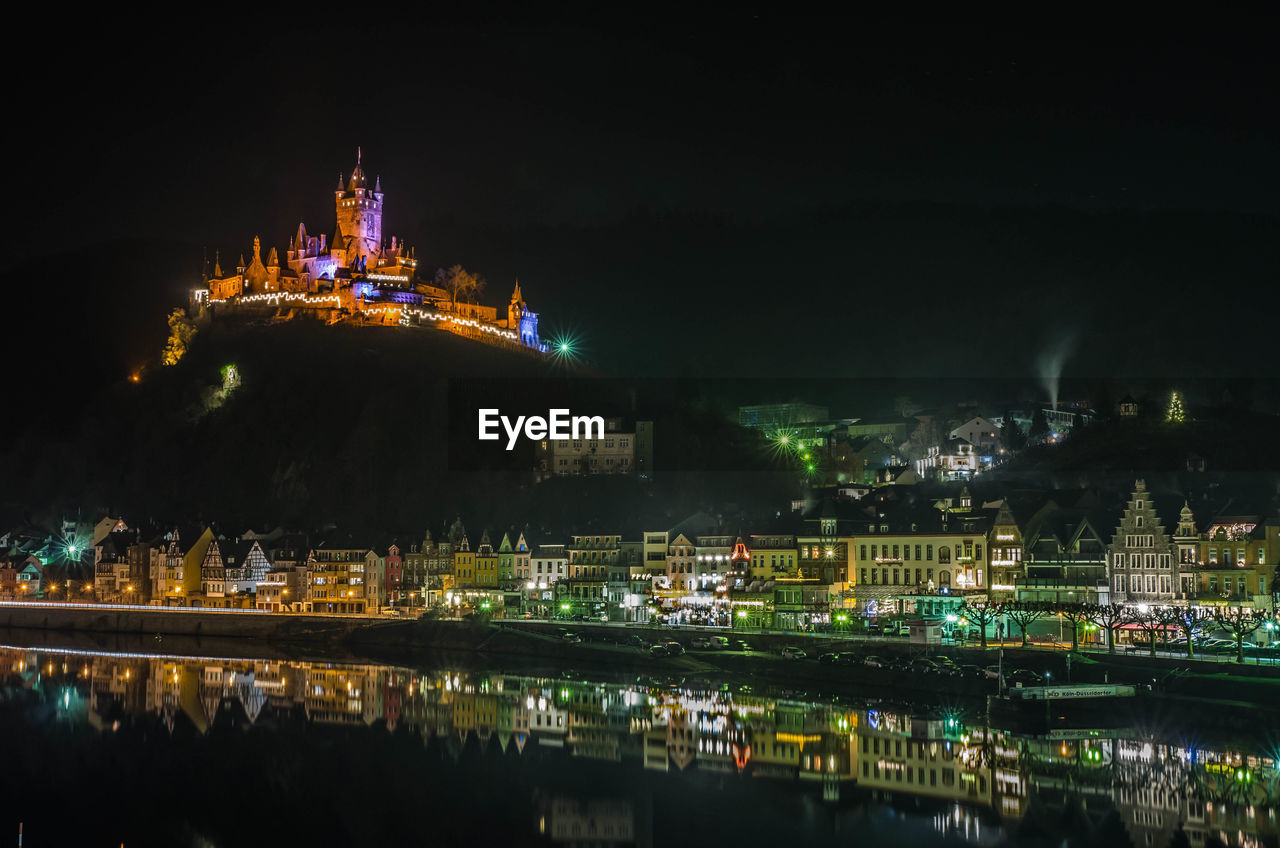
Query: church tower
point(359, 216)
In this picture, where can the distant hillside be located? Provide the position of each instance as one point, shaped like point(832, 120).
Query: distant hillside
point(1230, 444)
point(370, 428)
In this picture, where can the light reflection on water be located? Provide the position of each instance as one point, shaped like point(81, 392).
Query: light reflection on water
point(559, 760)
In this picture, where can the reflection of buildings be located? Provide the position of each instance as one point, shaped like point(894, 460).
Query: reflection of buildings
point(970, 778)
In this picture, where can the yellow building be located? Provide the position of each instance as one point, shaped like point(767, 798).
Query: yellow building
point(464, 565)
point(890, 562)
point(772, 556)
point(336, 580)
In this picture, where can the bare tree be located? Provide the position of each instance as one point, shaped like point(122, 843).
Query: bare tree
point(1188, 623)
point(981, 613)
point(461, 284)
point(1152, 624)
point(1240, 623)
point(1024, 614)
point(1076, 614)
point(1109, 617)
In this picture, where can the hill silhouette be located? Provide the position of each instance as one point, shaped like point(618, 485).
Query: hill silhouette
point(370, 429)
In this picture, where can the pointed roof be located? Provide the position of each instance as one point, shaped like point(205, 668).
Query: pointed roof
point(377, 184)
point(358, 179)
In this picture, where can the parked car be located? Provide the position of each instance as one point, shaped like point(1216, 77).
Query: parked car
point(720, 643)
point(920, 665)
point(829, 659)
point(634, 640)
point(674, 649)
point(701, 642)
point(875, 662)
point(992, 672)
point(790, 652)
point(659, 651)
point(1024, 676)
point(571, 637)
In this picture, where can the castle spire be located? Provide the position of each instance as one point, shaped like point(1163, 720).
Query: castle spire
point(357, 156)
point(377, 184)
point(339, 181)
point(217, 264)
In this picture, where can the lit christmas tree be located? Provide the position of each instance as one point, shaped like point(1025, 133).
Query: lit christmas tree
point(1176, 413)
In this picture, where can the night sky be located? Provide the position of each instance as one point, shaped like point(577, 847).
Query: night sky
point(740, 195)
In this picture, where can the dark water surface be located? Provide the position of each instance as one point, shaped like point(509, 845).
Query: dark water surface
point(111, 749)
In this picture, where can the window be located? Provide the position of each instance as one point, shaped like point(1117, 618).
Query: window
point(928, 552)
point(1139, 521)
point(862, 552)
point(1135, 583)
point(918, 552)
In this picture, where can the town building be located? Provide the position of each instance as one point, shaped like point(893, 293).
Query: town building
point(616, 451)
point(1141, 554)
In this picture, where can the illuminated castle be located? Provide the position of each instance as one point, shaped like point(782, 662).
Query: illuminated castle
point(358, 274)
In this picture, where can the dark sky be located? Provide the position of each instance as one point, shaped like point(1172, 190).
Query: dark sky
point(743, 194)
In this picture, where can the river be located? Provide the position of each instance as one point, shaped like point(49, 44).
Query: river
point(102, 748)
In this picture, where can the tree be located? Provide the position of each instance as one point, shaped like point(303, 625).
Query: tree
point(181, 331)
point(1109, 617)
point(1012, 439)
point(1240, 623)
point(981, 613)
point(1039, 426)
point(462, 285)
point(1187, 622)
point(1151, 622)
point(1074, 613)
point(1024, 614)
point(1176, 414)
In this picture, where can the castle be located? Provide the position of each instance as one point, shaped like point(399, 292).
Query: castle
point(358, 275)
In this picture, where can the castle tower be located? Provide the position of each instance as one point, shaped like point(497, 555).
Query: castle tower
point(359, 218)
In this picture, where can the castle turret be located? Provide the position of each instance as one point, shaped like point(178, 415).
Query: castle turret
point(359, 218)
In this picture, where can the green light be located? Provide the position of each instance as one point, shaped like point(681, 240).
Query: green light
point(742, 613)
point(842, 617)
point(485, 605)
point(951, 619)
point(564, 607)
point(811, 466)
point(784, 440)
point(71, 549)
point(564, 347)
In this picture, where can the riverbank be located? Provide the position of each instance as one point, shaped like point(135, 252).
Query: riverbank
point(538, 646)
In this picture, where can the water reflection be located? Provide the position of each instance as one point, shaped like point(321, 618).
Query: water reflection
point(654, 751)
